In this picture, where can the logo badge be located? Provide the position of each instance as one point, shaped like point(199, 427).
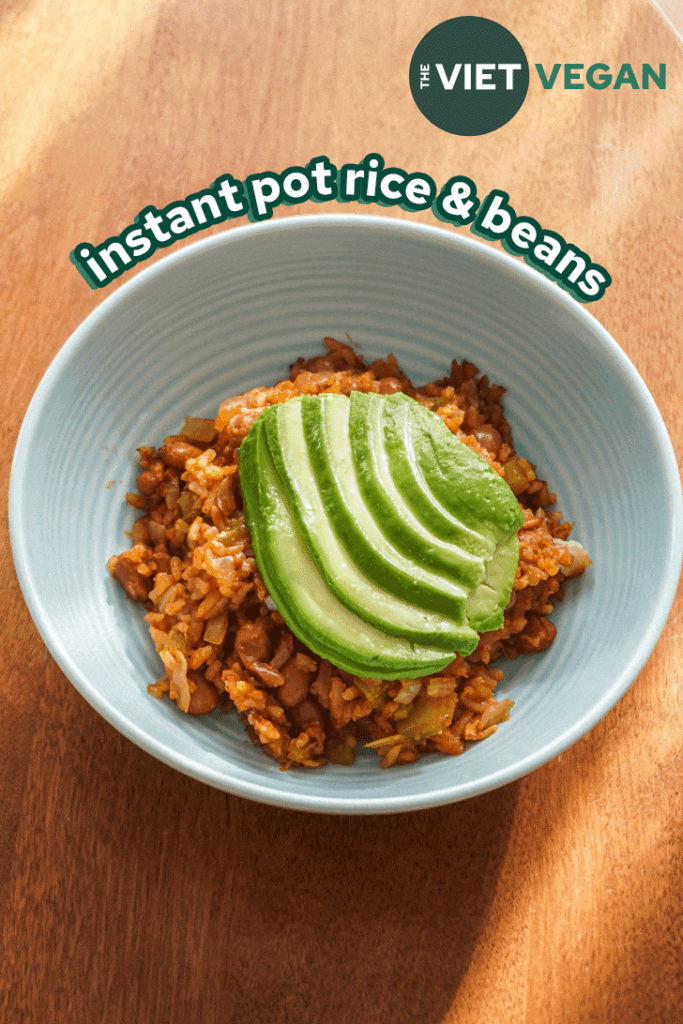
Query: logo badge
point(469, 76)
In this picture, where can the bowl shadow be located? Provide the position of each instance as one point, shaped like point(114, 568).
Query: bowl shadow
point(372, 919)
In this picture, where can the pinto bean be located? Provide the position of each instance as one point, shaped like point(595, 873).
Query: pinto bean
point(489, 438)
point(389, 386)
point(538, 634)
point(252, 642)
point(284, 650)
point(295, 685)
point(126, 572)
point(177, 453)
point(306, 714)
point(205, 698)
point(150, 478)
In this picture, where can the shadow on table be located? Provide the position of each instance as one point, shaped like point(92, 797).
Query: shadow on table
point(139, 894)
point(371, 919)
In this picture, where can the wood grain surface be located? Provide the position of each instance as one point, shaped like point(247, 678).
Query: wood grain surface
point(131, 893)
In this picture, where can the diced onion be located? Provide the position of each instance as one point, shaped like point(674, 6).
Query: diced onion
point(216, 628)
point(196, 429)
point(172, 494)
point(176, 671)
point(429, 716)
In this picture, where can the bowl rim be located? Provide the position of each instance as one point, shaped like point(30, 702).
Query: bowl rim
point(335, 804)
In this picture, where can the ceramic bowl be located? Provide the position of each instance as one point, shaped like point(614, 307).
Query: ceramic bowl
point(233, 311)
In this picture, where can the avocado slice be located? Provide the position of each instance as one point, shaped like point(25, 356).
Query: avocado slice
point(449, 487)
point(471, 559)
point(463, 559)
point(386, 544)
point(487, 603)
point(286, 438)
point(326, 425)
point(460, 481)
point(300, 593)
point(410, 483)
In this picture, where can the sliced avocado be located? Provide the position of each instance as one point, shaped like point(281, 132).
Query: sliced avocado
point(446, 484)
point(386, 544)
point(487, 603)
point(461, 481)
point(300, 593)
point(326, 426)
point(410, 482)
point(284, 431)
point(464, 560)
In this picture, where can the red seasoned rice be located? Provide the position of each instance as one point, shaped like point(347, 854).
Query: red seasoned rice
point(217, 632)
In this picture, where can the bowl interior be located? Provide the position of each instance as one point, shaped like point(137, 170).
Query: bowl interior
point(232, 312)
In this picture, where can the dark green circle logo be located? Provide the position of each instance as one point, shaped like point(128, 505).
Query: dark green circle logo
point(469, 76)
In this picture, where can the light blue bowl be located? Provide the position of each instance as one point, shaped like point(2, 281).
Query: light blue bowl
point(231, 312)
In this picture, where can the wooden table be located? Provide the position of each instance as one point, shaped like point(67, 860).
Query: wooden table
point(131, 893)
